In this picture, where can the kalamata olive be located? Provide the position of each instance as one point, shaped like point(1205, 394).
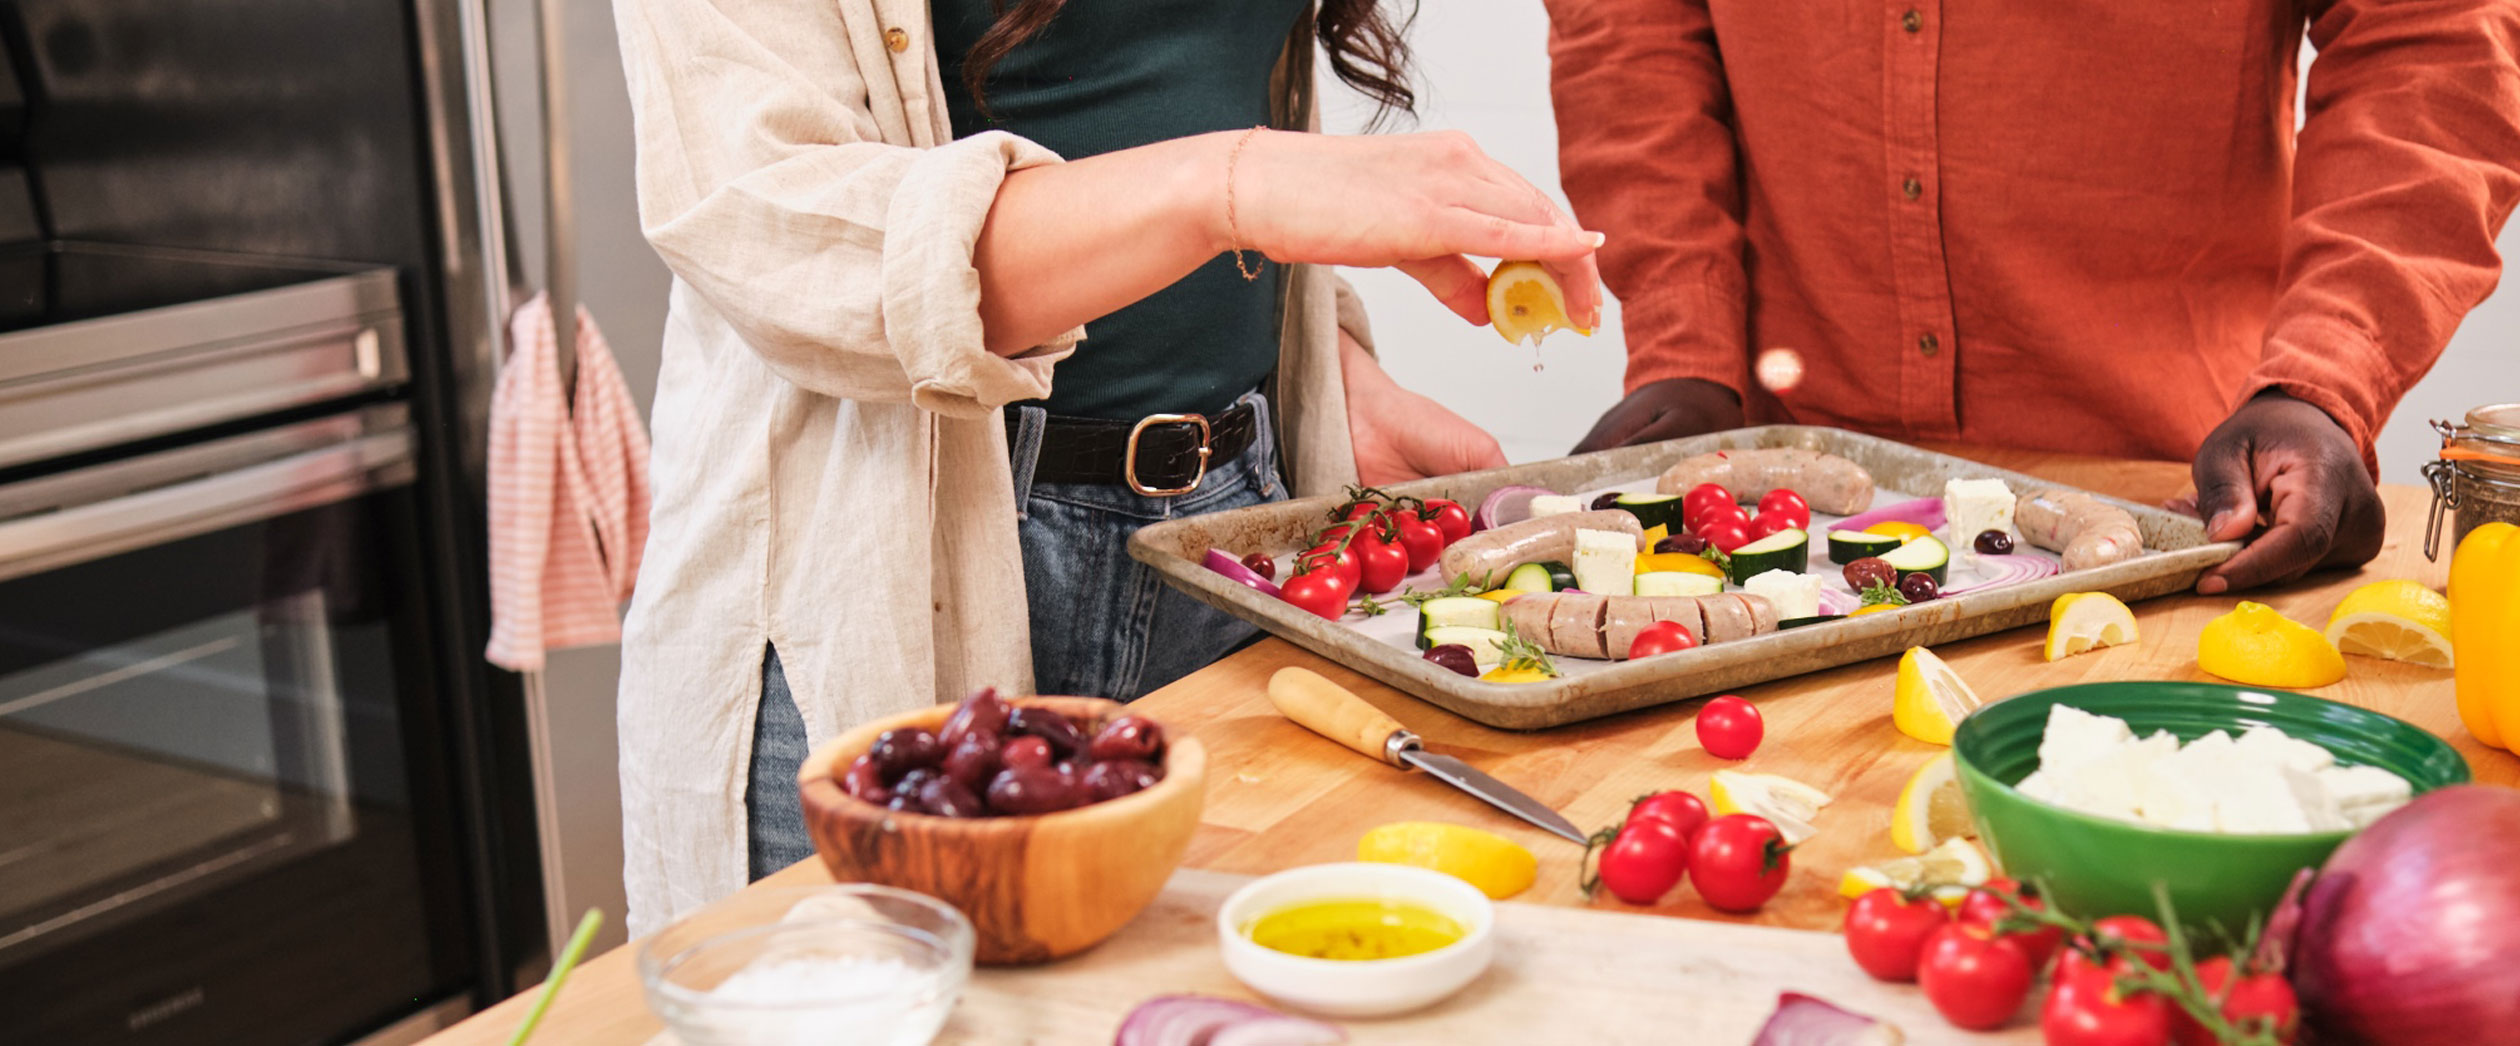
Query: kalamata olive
point(905, 802)
point(901, 749)
point(917, 778)
point(1456, 657)
point(865, 780)
point(1609, 500)
point(1869, 571)
point(946, 797)
point(981, 712)
point(1128, 737)
point(1682, 542)
point(1119, 777)
point(1993, 543)
point(1919, 587)
point(1030, 790)
point(1026, 751)
point(1047, 725)
point(1261, 565)
point(974, 760)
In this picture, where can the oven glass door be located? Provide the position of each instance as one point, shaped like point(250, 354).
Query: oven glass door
point(222, 814)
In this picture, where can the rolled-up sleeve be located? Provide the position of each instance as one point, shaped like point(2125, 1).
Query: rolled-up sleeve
point(766, 185)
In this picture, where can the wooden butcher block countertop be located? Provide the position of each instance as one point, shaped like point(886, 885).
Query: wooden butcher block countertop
point(1279, 796)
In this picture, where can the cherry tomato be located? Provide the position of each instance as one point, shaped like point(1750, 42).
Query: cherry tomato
point(1449, 517)
point(1786, 503)
point(1422, 540)
point(1719, 515)
point(2087, 1009)
point(1984, 908)
point(1316, 592)
point(1644, 861)
point(1885, 932)
point(1662, 638)
point(1360, 510)
point(2130, 928)
point(1730, 728)
point(1700, 498)
point(1741, 860)
point(1724, 534)
point(1343, 565)
point(2258, 997)
point(1678, 809)
point(1976, 981)
point(1381, 565)
point(1766, 524)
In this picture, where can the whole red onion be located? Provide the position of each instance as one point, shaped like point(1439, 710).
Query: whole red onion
point(2410, 936)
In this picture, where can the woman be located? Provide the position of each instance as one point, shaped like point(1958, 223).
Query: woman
point(865, 276)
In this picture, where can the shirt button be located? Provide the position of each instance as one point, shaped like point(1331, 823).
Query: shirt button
point(1929, 345)
point(897, 40)
point(1912, 22)
point(1911, 188)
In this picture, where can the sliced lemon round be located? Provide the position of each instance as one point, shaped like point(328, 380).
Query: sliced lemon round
point(1931, 699)
point(2394, 620)
point(1954, 866)
point(2081, 621)
point(2255, 645)
point(1498, 866)
point(1788, 804)
point(1525, 303)
point(1931, 809)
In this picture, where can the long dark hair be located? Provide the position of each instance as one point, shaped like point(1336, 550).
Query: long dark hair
point(1366, 44)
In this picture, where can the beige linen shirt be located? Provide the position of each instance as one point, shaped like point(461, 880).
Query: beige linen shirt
point(830, 464)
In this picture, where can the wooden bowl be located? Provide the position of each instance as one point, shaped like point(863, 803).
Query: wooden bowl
point(1035, 888)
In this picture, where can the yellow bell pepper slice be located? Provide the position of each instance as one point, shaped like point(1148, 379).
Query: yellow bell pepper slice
point(2484, 616)
point(1679, 561)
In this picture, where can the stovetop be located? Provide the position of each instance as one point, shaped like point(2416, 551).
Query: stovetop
point(43, 284)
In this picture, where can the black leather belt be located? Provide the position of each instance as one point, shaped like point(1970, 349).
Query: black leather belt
point(1159, 455)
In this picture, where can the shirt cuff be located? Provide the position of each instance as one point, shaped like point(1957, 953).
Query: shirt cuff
point(2329, 364)
point(932, 292)
point(1688, 331)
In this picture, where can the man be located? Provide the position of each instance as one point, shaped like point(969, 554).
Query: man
point(2064, 224)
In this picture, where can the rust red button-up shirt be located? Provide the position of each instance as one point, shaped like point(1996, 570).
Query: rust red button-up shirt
point(2079, 225)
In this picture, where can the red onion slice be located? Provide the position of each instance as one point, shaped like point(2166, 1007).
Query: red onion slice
point(2009, 570)
point(1278, 1031)
point(1834, 602)
point(1808, 1020)
point(1204, 1020)
point(1506, 505)
point(1234, 570)
point(1924, 512)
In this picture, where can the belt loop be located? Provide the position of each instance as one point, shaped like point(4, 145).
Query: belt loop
point(1263, 442)
point(1025, 426)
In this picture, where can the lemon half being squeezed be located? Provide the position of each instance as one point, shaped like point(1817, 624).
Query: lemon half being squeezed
point(1525, 303)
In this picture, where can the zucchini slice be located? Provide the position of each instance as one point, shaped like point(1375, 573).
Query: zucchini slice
point(1847, 546)
point(1926, 555)
point(1798, 622)
point(1455, 612)
point(1677, 583)
point(1788, 549)
point(1652, 510)
point(1531, 577)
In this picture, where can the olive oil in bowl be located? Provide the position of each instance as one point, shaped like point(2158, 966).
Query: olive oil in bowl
point(1355, 929)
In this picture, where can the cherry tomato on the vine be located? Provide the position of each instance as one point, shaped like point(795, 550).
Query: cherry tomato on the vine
point(1360, 510)
point(1975, 980)
point(1724, 534)
point(1786, 504)
point(1381, 565)
point(1886, 931)
point(2135, 929)
point(1662, 638)
point(2086, 1008)
point(1341, 563)
point(1423, 541)
point(1984, 908)
point(1449, 517)
point(1730, 728)
point(1767, 524)
point(1316, 592)
point(1644, 861)
point(1700, 498)
point(1741, 860)
point(1678, 809)
point(2258, 998)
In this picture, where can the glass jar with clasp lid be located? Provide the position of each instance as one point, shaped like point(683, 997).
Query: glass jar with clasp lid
point(2477, 479)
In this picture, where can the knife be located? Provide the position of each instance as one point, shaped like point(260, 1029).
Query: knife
point(1328, 709)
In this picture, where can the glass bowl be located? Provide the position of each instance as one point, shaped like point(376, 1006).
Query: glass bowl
point(852, 963)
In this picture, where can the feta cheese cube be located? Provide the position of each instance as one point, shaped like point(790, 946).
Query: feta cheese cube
point(1794, 595)
point(1557, 504)
point(1975, 506)
point(1605, 562)
point(2364, 794)
point(2074, 737)
point(2276, 747)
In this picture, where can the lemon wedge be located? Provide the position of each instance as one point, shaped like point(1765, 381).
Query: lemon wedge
point(1788, 804)
point(1931, 810)
point(1525, 303)
point(1931, 699)
point(2394, 620)
point(2080, 621)
point(2256, 646)
point(1498, 866)
point(1951, 868)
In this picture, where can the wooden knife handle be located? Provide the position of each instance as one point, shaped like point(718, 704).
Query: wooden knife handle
point(1328, 709)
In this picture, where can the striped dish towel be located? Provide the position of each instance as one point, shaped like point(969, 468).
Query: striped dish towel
point(568, 495)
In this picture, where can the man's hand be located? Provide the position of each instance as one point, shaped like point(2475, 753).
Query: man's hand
point(1666, 409)
point(2283, 465)
point(1400, 435)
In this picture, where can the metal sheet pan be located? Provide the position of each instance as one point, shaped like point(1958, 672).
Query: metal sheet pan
point(2176, 553)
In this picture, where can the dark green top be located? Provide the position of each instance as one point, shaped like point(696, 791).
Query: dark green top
point(1114, 74)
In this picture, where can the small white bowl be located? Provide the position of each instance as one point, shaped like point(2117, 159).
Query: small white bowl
point(1358, 988)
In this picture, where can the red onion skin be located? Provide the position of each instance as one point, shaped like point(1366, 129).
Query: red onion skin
point(2410, 936)
point(1809, 1020)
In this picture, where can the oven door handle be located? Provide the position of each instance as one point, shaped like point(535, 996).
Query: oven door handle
point(82, 533)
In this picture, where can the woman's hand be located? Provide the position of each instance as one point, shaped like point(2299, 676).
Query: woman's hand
point(1400, 435)
point(1420, 203)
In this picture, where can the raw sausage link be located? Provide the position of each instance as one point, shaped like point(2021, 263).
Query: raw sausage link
point(1489, 554)
point(2087, 531)
point(1830, 483)
point(1581, 624)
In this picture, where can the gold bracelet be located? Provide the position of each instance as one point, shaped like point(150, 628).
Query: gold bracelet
point(1233, 221)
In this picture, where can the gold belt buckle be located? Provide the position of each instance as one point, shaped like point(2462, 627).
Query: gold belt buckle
point(1128, 463)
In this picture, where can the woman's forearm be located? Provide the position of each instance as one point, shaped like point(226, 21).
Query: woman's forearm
point(1068, 243)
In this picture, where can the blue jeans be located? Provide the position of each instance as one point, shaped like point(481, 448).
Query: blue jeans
point(1103, 624)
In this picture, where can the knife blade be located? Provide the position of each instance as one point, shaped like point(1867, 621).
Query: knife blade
point(1328, 709)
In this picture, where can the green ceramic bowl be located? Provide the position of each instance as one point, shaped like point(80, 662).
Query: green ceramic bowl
point(2095, 866)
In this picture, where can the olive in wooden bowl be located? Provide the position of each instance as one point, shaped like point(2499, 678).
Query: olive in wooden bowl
point(1036, 885)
